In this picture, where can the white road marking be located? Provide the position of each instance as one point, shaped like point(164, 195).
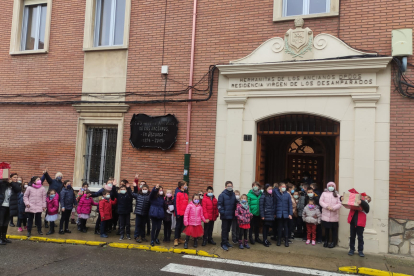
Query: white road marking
point(200, 271)
point(266, 266)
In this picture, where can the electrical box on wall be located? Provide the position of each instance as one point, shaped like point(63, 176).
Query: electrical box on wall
point(402, 42)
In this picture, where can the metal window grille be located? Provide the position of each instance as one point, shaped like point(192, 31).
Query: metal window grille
point(100, 154)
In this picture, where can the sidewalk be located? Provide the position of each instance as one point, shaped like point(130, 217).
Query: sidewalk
point(297, 254)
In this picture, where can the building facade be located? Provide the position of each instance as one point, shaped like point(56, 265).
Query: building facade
point(316, 96)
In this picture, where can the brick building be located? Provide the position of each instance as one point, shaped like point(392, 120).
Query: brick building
point(56, 56)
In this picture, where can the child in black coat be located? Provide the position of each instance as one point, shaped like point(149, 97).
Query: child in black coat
point(124, 207)
point(169, 210)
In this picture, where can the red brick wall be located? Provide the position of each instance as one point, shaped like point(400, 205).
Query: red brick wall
point(226, 30)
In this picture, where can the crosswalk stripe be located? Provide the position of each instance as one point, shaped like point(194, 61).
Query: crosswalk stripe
point(306, 271)
point(200, 271)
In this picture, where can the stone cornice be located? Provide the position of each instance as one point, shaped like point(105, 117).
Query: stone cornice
point(372, 64)
point(235, 102)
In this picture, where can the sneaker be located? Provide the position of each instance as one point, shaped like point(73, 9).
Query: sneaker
point(351, 252)
point(121, 237)
point(229, 245)
point(308, 242)
point(361, 254)
point(104, 236)
point(68, 231)
point(61, 232)
point(313, 243)
point(290, 241)
point(212, 242)
point(235, 241)
point(138, 240)
point(128, 236)
point(12, 224)
point(224, 247)
point(20, 229)
point(144, 240)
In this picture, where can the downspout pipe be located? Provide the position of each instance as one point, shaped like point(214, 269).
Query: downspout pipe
point(190, 84)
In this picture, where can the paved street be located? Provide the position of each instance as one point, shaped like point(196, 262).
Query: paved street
point(31, 258)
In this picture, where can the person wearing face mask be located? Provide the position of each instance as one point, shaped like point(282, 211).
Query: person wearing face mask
point(54, 184)
point(211, 213)
point(235, 230)
point(253, 199)
point(357, 220)
point(156, 212)
point(107, 187)
point(67, 201)
point(22, 216)
point(284, 212)
point(169, 210)
point(226, 205)
point(52, 205)
point(105, 209)
point(180, 202)
point(84, 209)
point(312, 217)
point(148, 221)
point(35, 200)
point(9, 197)
point(267, 212)
point(123, 208)
point(291, 190)
point(142, 205)
point(330, 203)
point(243, 216)
point(201, 196)
point(15, 197)
point(300, 205)
point(193, 216)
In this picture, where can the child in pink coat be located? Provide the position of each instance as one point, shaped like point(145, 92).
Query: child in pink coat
point(84, 209)
point(52, 203)
point(192, 220)
point(330, 203)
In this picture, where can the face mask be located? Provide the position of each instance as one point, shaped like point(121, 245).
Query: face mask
point(141, 185)
point(311, 206)
point(52, 196)
point(310, 195)
point(196, 201)
point(185, 187)
point(25, 186)
point(144, 191)
point(262, 190)
point(107, 196)
point(201, 197)
point(367, 201)
point(229, 189)
point(331, 189)
point(68, 186)
point(169, 195)
point(293, 191)
point(243, 201)
point(122, 192)
point(296, 196)
point(38, 182)
point(237, 197)
point(160, 192)
point(283, 189)
point(269, 192)
point(255, 188)
point(110, 185)
point(18, 181)
point(210, 194)
point(59, 178)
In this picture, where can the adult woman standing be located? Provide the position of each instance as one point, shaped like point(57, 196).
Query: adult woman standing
point(330, 203)
point(9, 196)
point(284, 212)
point(35, 200)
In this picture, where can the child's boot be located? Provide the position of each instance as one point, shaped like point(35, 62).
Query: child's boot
point(204, 242)
point(195, 242)
point(286, 242)
point(246, 244)
point(279, 241)
point(187, 238)
point(241, 244)
point(176, 242)
point(52, 228)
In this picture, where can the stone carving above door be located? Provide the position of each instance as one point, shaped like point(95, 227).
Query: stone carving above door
point(300, 44)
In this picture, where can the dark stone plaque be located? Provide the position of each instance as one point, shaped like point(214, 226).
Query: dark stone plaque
point(153, 132)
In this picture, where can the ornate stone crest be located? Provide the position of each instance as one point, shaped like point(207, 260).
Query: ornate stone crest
point(299, 42)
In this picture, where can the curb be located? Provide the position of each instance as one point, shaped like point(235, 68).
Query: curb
point(369, 271)
point(160, 249)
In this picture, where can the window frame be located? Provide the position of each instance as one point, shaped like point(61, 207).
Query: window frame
point(25, 22)
point(17, 27)
point(280, 9)
point(305, 8)
point(90, 36)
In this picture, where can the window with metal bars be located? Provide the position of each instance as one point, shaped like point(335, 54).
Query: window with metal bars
point(100, 154)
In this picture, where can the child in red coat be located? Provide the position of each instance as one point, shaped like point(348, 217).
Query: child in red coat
point(52, 203)
point(243, 216)
point(210, 212)
point(105, 210)
point(181, 202)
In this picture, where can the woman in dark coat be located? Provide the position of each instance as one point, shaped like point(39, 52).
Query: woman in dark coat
point(9, 198)
point(267, 212)
point(284, 212)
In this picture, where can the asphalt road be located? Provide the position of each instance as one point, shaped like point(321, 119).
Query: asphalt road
point(32, 258)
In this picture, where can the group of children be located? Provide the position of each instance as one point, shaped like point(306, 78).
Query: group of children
point(288, 211)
